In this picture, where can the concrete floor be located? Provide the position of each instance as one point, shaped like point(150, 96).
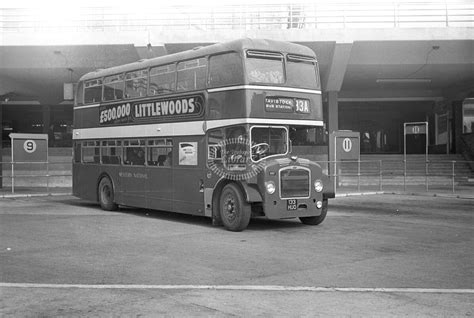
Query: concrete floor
point(375, 255)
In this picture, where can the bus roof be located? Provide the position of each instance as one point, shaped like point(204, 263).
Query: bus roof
point(236, 45)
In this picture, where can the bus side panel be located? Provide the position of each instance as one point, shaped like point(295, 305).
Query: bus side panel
point(133, 180)
point(227, 104)
point(84, 181)
point(160, 188)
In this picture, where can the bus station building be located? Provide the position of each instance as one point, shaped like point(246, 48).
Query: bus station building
point(381, 65)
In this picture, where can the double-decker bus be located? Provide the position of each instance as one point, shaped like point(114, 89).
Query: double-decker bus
point(208, 131)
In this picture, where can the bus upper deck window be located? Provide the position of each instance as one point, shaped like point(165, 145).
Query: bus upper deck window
point(162, 80)
point(265, 67)
point(113, 87)
point(136, 83)
point(225, 69)
point(192, 74)
point(93, 91)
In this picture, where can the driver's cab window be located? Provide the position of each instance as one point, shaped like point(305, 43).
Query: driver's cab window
point(268, 141)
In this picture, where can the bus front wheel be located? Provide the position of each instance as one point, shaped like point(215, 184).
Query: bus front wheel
point(106, 194)
point(315, 220)
point(235, 212)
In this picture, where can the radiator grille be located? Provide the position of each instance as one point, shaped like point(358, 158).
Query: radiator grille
point(294, 183)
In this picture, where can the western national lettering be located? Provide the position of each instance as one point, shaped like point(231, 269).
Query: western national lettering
point(150, 110)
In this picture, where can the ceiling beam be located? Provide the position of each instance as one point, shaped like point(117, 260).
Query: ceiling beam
point(332, 80)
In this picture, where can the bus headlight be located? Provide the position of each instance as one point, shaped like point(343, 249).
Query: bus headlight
point(270, 186)
point(318, 185)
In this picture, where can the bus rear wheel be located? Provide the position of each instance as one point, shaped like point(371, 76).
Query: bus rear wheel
point(106, 194)
point(316, 220)
point(235, 212)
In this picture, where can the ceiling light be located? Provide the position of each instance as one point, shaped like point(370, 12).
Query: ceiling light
point(403, 80)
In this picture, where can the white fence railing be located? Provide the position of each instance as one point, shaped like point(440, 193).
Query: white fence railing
point(348, 176)
point(455, 176)
point(36, 177)
point(291, 15)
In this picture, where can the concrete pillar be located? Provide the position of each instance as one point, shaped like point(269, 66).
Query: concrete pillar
point(333, 125)
point(333, 112)
point(1, 145)
point(47, 122)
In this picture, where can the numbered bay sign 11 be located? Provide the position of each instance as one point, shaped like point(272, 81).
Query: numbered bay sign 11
point(415, 128)
point(29, 147)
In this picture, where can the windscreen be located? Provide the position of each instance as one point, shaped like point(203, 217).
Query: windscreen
point(271, 68)
point(302, 72)
point(268, 141)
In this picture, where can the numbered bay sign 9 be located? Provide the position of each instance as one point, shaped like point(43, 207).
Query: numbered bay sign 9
point(29, 147)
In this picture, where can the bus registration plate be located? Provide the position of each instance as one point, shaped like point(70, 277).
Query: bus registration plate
point(291, 205)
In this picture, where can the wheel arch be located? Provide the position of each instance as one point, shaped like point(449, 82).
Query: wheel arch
point(250, 192)
point(99, 178)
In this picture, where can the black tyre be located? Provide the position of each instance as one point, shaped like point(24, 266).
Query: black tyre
point(106, 194)
point(235, 212)
point(315, 220)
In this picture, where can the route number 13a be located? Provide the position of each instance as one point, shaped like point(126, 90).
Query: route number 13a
point(302, 106)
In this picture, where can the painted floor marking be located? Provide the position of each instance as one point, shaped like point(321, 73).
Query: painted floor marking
point(248, 288)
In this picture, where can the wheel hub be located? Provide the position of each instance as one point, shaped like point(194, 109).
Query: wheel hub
point(230, 209)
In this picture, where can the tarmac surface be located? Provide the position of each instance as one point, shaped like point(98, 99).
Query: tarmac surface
point(375, 255)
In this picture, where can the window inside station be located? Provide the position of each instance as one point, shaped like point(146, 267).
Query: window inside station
point(264, 67)
point(93, 91)
point(225, 69)
point(136, 83)
point(113, 87)
point(192, 74)
point(468, 116)
point(162, 80)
